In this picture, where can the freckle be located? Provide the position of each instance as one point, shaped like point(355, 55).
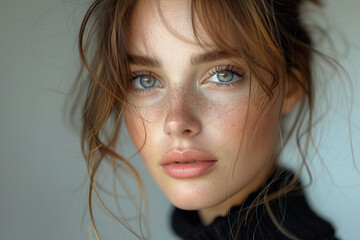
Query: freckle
point(198, 102)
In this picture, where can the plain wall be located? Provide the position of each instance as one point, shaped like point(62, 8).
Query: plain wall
point(41, 165)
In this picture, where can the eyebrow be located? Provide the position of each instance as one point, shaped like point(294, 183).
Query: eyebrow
point(196, 59)
point(209, 57)
point(144, 61)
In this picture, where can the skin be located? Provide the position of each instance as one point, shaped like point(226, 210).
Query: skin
point(187, 109)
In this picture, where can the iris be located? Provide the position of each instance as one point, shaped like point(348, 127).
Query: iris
point(225, 76)
point(147, 81)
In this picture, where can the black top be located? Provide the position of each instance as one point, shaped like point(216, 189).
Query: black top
point(291, 211)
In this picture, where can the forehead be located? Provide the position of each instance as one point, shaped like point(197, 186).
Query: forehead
point(168, 21)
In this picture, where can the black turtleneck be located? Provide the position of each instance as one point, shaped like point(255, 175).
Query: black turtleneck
point(291, 211)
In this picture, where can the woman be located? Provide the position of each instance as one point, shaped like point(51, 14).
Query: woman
point(203, 87)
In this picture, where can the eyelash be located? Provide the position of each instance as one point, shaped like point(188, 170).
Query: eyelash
point(232, 69)
point(142, 74)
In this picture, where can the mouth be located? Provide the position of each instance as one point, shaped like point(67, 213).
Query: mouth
point(187, 163)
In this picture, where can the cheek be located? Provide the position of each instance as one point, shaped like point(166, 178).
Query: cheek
point(227, 124)
point(135, 125)
point(232, 118)
point(142, 127)
point(135, 128)
point(225, 119)
point(261, 132)
point(246, 132)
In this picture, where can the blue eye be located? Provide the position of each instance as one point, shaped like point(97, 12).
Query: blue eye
point(145, 82)
point(225, 76)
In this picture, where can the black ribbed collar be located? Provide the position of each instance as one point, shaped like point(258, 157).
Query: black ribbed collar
point(291, 210)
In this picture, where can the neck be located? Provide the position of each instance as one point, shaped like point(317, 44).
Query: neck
point(207, 215)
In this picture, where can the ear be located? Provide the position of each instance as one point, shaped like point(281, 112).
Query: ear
point(293, 91)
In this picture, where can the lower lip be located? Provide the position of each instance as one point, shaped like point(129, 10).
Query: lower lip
point(188, 170)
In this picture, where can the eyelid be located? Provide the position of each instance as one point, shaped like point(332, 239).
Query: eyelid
point(135, 75)
point(231, 68)
point(144, 73)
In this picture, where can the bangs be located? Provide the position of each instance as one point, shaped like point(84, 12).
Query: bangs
point(242, 29)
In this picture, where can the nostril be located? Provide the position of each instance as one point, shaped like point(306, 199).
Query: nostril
point(187, 131)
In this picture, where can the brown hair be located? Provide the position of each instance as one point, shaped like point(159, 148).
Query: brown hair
point(267, 34)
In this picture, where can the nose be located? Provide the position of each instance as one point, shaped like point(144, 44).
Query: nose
point(182, 118)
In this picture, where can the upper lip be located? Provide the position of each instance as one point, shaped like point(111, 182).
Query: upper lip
point(185, 155)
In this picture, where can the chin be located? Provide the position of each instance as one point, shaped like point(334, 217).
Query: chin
point(192, 203)
point(194, 197)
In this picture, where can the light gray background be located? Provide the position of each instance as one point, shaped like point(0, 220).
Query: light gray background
point(40, 160)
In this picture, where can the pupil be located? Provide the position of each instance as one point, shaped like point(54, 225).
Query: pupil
point(147, 82)
point(225, 76)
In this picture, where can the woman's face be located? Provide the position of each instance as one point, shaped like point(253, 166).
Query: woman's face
point(198, 132)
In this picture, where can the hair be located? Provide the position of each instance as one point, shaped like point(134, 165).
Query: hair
point(267, 34)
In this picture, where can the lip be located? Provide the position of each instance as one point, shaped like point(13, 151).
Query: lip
point(199, 164)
